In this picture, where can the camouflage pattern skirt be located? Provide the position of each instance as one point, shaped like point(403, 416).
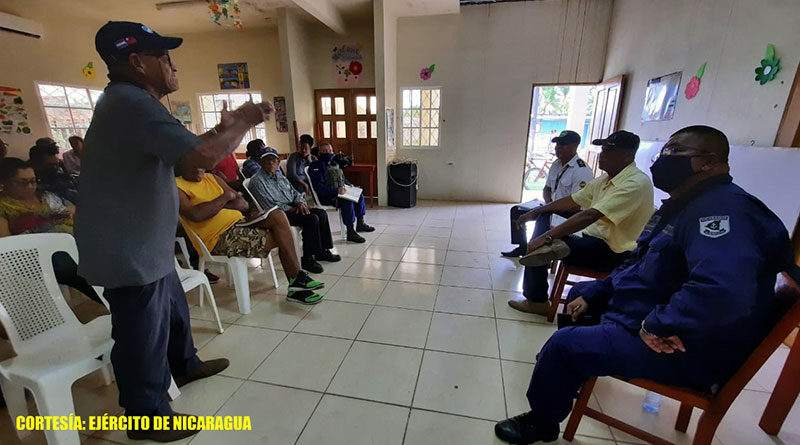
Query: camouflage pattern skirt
point(245, 242)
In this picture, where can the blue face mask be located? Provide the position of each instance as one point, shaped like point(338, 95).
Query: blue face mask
point(671, 171)
point(326, 157)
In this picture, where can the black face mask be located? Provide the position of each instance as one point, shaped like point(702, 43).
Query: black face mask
point(326, 157)
point(671, 171)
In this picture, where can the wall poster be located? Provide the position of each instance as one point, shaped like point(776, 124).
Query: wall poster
point(390, 127)
point(279, 102)
point(660, 98)
point(233, 76)
point(13, 117)
point(182, 111)
point(348, 64)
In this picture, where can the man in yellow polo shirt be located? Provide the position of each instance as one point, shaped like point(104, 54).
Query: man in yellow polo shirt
point(614, 209)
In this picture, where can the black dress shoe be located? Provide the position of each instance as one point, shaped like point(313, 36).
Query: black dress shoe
point(361, 226)
point(515, 253)
point(523, 430)
point(354, 237)
point(310, 265)
point(203, 370)
point(327, 255)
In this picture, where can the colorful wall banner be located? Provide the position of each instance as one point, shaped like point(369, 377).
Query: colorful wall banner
point(279, 103)
point(348, 64)
point(233, 76)
point(13, 117)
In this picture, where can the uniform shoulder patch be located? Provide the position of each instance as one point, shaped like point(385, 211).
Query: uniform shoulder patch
point(580, 163)
point(715, 226)
point(582, 184)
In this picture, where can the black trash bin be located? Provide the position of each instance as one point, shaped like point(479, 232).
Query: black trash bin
point(402, 184)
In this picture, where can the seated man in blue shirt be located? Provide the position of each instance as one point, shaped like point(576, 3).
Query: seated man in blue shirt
point(686, 309)
point(351, 211)
point(272, 189)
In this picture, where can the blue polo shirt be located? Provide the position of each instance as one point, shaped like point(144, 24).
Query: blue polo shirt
point(128, 203)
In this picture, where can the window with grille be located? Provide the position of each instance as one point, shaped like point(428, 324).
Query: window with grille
point(211, 105)
point(68, 110)
point(420, 118)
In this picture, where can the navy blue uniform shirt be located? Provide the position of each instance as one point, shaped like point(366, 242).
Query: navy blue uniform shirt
point(704, 270)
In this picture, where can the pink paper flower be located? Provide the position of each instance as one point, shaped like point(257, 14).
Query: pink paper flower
point(692, 88)
point(425, 74)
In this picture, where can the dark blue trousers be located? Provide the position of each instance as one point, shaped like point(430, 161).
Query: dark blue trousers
point(586, 251)
point(519, 235)
point(351, 210)
point(574, 354)
point(152, 338)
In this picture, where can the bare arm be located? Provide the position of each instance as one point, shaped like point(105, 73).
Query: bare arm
point(206, 210)
point(547, 194)
point(213, 148)
point(235, 204)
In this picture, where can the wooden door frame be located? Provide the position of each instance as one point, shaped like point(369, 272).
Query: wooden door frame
point(788, 134)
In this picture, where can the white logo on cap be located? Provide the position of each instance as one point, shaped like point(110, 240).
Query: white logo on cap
point(146, 29)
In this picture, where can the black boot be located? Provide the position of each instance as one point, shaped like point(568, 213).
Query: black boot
point(361, 226)
point(354, 237)
point(524, 430)
point(327, 255)
point(517, 252)
point(310, 264)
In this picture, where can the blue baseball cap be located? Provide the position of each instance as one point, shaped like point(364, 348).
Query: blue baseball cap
point(114, 41)
point(268, 151)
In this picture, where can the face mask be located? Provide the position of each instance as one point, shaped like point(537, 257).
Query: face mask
point(326, 157)
point(671, 171)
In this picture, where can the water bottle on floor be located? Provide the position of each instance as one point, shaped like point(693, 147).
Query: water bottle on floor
point(651, 402)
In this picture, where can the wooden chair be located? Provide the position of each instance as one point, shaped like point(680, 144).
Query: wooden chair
point(714, 406)
point(562, 273)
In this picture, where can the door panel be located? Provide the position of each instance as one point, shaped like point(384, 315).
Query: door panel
point(608, 97)
point(347, 118)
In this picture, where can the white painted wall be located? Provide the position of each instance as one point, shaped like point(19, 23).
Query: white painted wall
point(385, 83)
point(650, 38)
point(487, 59)
point(297, 68)
point(322, 41)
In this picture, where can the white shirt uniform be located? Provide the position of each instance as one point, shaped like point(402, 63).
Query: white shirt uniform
point(568, 179)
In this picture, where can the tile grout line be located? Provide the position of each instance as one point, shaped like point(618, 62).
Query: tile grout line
point(419, 370)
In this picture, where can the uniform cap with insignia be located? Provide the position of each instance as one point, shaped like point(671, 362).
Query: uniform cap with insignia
point(619, 139)
point(567, 137)
point(115, 40)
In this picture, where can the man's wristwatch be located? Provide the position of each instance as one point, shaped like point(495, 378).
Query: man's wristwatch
point(548, 240)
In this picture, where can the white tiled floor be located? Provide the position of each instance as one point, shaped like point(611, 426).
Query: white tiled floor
point(414, 344)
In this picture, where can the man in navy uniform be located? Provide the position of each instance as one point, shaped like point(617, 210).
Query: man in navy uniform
point(686, 309)
point(352, 212)
point(568, 174)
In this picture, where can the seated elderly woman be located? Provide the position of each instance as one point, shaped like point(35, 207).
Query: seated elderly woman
point(24, 209)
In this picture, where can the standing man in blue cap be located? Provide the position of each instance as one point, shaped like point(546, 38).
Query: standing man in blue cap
point(125, 224)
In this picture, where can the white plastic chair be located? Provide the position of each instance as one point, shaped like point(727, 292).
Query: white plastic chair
point(282, 166)
point(53, 348)
point(238, 270)
point(298, 244)
point(342, 229)
point(184, 250)
point(191, 279)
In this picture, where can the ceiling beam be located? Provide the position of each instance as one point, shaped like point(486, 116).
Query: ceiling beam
point(324, 11)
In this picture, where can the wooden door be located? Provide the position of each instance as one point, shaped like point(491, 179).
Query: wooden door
point(347, 119)
point(607, 101)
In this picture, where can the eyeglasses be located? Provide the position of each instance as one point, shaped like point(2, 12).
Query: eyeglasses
point(24, 182)
point(681, 150)
point(158, 55)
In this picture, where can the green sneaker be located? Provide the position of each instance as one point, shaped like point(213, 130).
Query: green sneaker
point(303, 282)
point(304, 296)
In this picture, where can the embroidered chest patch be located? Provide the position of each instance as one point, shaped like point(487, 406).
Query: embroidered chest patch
point(715, 226)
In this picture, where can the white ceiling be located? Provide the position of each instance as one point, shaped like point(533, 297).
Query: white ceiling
point(194, 16)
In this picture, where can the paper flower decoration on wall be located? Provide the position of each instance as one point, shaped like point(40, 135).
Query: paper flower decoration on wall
point(770, 65)
point(225, 12)
point(426, 72)
point(693, 87)
point(88, 71)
